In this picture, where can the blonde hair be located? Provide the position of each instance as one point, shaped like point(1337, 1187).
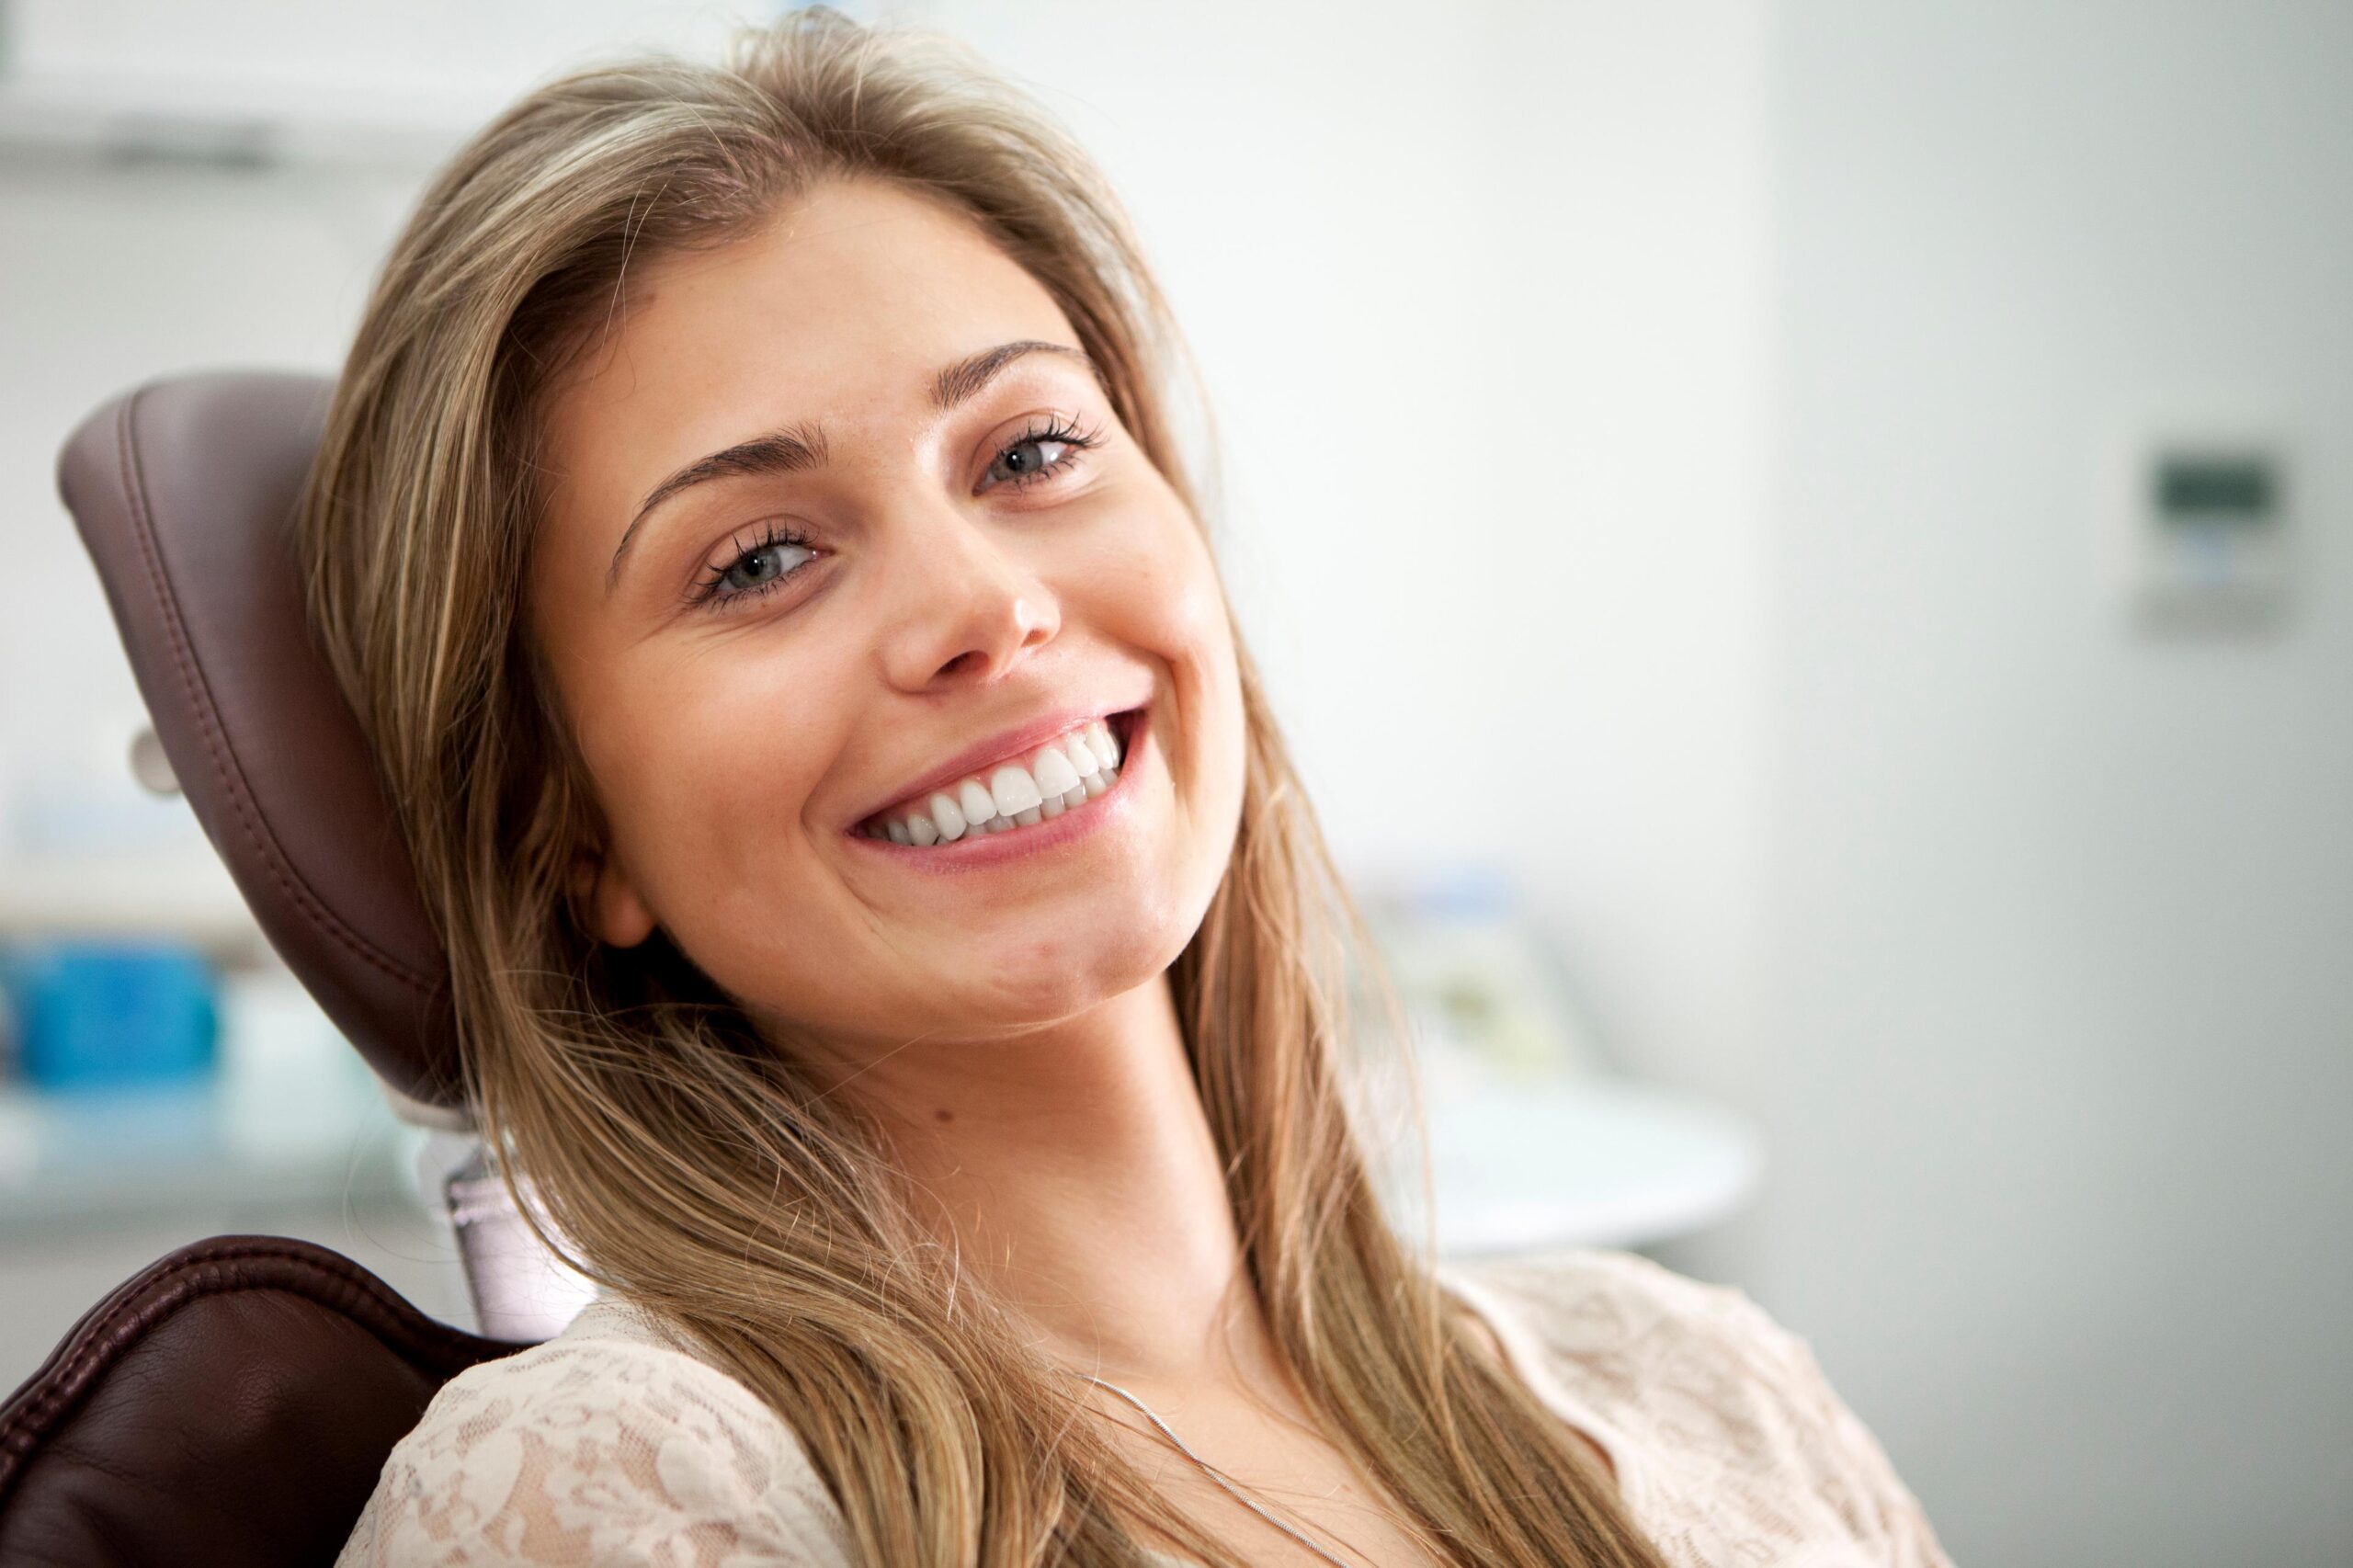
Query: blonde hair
point(668, 1140)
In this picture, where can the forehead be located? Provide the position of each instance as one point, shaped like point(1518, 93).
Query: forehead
point(841, 308)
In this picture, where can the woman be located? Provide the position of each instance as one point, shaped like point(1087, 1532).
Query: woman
point(890, 941)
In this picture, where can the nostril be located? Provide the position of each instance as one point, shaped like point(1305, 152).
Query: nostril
point(964, 662)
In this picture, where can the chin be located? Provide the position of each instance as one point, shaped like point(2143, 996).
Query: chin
point(1039, 982)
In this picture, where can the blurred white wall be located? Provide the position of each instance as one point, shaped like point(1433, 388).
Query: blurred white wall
point(2062, 923)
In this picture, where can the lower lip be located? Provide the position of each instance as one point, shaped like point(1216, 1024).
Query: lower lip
point(973, 854)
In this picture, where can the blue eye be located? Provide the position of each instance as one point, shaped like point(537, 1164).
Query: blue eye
point(1038, 454)
point(767, 563)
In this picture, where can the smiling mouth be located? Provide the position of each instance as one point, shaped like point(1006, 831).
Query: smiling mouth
point(1064, 774)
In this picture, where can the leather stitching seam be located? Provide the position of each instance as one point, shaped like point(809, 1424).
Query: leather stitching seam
point(200, 695)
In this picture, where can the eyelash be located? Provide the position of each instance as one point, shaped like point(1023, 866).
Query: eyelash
point(711, 592)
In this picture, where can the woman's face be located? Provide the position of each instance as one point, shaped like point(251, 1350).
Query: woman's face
point(845, 540)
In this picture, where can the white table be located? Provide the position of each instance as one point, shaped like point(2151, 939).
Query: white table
point(1591, 1162)
point(1524, 1167)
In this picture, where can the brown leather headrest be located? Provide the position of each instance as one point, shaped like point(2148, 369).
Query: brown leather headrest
point(184, 492)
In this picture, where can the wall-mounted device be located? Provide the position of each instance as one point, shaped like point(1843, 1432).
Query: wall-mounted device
point(2201, 525)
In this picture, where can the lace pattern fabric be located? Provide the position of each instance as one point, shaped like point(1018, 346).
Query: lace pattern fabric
point(1729, 1444)
point(605, 1445)
point(610, 1446)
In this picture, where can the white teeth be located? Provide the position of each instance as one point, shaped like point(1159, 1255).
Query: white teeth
point(949, 817)
point(1054, 774)
point(1015, 790)
point(1060, 776)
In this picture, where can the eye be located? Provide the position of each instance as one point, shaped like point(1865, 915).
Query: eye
point(1038, 454)
point(762, 565)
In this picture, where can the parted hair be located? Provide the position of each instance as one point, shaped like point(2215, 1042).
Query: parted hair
point(659, 1133)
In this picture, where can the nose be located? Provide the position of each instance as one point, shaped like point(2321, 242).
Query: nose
point(968, 610)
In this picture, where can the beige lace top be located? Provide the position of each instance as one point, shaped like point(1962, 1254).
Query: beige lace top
point(609, 1446)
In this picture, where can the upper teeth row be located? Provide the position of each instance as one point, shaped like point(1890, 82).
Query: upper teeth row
point(1066, 771)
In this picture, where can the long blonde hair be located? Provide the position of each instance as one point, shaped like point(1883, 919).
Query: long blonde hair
point(691, 1166)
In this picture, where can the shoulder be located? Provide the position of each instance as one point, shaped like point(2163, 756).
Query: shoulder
point(1721, 1399)
point(608, 1444)
point(1595, 1298)
point(1630, 1337)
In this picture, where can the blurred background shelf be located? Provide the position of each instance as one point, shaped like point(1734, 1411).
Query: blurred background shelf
point(187, 896)
point(289, 1136)
point(164, 121)
point(296, 1140)
point(99, 1157)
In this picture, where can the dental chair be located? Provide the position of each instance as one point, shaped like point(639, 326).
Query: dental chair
point(235, 1401)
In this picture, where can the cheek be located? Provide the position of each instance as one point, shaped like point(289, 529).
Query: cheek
point(1199, 631)
point(1181, 616)
point(705, 778)
point(1166, 599)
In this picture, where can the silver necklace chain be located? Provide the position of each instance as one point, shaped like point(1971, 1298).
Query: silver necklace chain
point(1214, 1473)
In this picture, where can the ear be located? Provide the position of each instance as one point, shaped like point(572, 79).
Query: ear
point(616, 914)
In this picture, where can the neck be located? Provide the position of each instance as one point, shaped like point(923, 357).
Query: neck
point(1074, 1171)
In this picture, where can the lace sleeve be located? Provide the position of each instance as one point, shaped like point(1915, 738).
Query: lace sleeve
point(1845, 1464)
point(604, 1453)
point(1747, 1453)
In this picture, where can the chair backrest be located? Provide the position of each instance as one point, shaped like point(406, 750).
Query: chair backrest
point(235, 1401)
point(185, 492)
point(232, 1403)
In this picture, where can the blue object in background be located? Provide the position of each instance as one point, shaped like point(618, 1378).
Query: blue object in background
point(92, 1014)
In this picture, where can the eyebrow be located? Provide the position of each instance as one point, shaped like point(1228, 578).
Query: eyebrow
point(803, 446)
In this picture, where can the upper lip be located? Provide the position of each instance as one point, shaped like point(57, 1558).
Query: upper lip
point(1005, 745)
